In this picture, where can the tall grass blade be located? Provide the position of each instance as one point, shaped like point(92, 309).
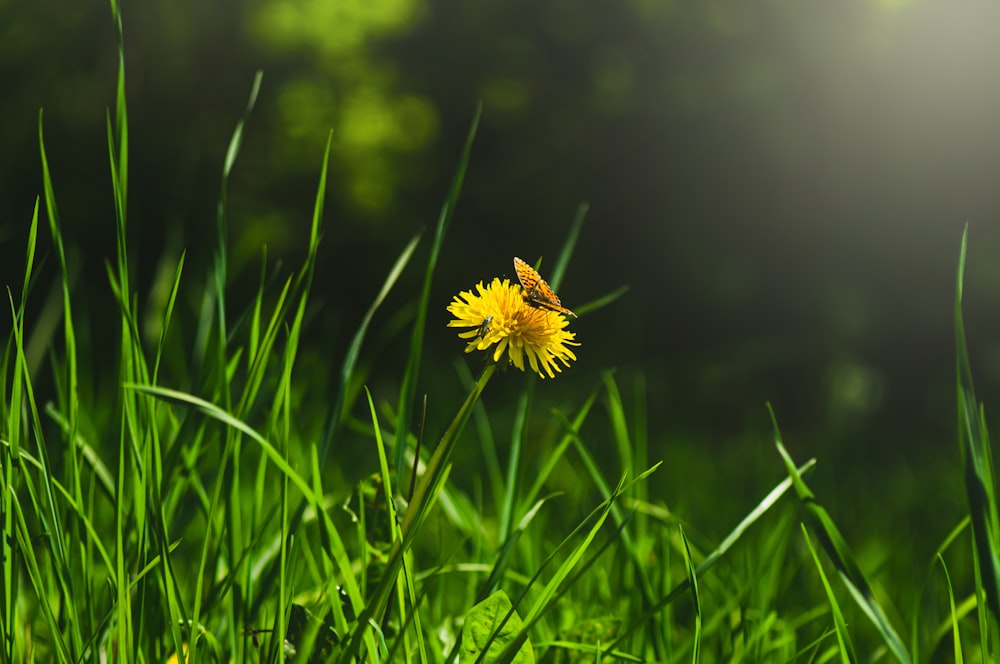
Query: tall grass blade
point(569, 244)
point(956, 637)
point(840, 555)
point(980, 484)
point(11, 455)
point(68, 574)
point(354, 350)
point(407, 390)
point(845, 645)
point(692, 578)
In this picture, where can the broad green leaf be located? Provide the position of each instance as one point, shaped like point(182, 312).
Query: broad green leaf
point(486, 629)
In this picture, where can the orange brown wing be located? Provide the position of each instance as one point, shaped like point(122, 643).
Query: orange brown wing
point(537, 290)
point(526, 274)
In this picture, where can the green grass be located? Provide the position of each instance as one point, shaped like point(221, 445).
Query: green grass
point(199, 506)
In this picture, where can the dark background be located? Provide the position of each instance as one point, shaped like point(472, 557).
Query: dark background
point(782, 185)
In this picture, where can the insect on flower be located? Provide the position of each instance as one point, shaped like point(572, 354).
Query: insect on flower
point(537, 290)
point(484, 329)
point(499, 318)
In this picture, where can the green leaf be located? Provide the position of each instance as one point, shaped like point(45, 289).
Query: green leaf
point(485, 628)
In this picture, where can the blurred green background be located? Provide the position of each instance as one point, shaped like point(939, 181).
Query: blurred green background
point(782, 184)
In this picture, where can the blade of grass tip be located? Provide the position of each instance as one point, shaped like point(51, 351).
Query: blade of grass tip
point(119, 165)
point(603, 300)
point(949, 539)
point(306, 273)
point(304, 283)
point(168, 315)
point(408, 388)
point(12, 454)
point(974, 445)
point(383, 466)
point(79, 582)
point(47, 511)
point(711, 559)
point(354, 350)
point(221, 260)
point(118, 161)
point(258, 361)
point(846, 646)
point(17, 327)
point(619, 424)
point(640, 436)
point(69, 338)
point(840, 554)
point(956, 637)
point(562, 261)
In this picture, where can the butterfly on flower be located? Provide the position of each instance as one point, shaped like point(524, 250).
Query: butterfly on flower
point(536, 290)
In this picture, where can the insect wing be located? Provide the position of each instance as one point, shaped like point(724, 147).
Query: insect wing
point(537, 289)
point(554, 306)
point(526, 274)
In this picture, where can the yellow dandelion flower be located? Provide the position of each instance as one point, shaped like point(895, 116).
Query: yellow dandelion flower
point(499, 314)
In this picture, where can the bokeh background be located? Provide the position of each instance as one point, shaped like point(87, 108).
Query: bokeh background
point(783, 186)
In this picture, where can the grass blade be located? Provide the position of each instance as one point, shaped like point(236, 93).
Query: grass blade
point(980, 485)
point(839, 624)
point(408, 389)
point(711, 559)
point(840, 554)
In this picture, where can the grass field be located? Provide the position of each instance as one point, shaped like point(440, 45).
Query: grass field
point(194, 499)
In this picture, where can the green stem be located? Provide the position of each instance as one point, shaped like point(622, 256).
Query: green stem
point(436, 469)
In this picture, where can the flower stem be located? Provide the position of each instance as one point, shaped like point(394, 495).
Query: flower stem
point(438, 466)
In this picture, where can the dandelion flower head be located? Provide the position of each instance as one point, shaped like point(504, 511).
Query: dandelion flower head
point(501, 320)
